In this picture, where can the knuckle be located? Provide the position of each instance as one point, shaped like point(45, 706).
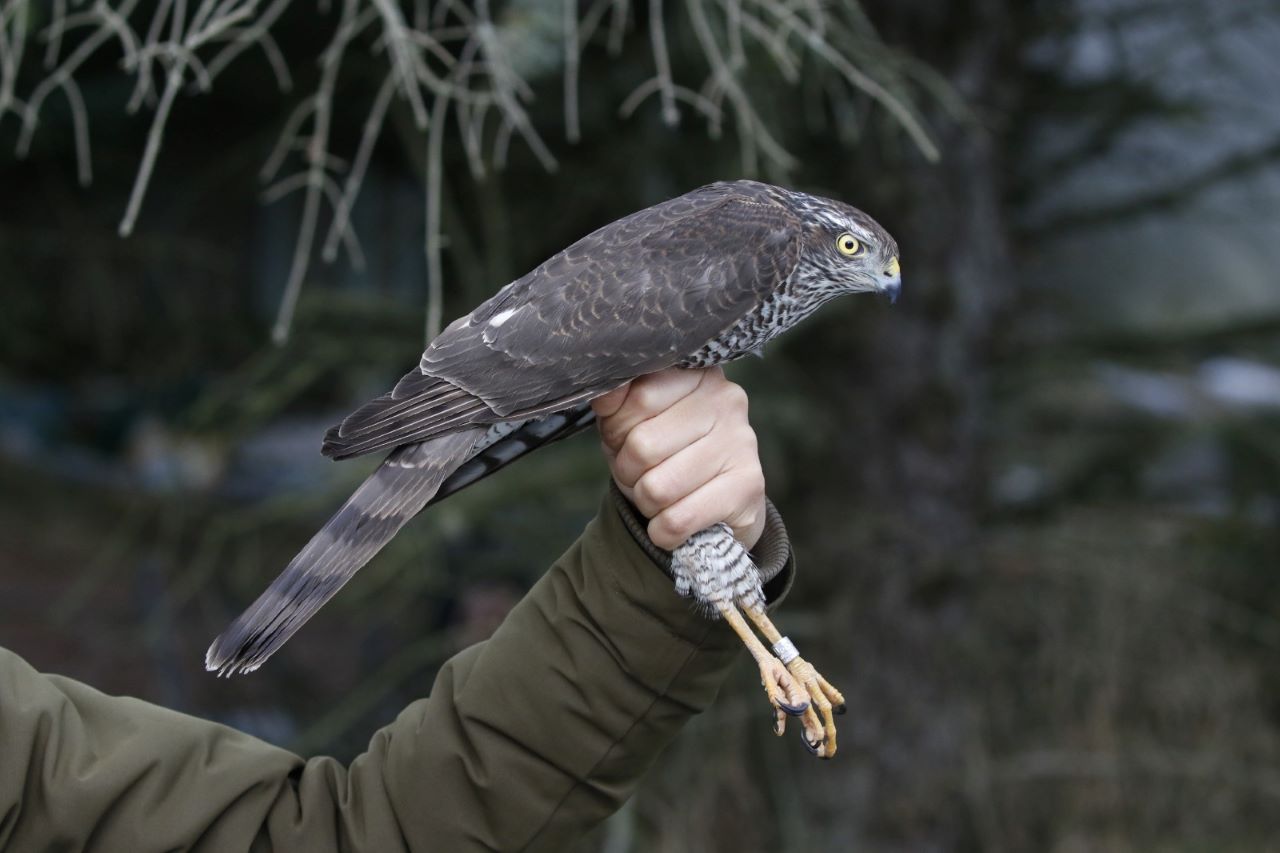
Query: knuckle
point(661, 536)
point(747, 519)
point(623, 473)
point(612, 434)
point(646, 396)
point(749, 486)
point(673, 525)
point(642, 503)
point(734, 398)
point(642, 444)
point(608, 404)
point(742, 449)
point(749, 489)
point(655, 489)
point(647, 510)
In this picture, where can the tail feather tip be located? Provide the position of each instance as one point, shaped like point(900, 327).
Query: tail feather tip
point(228, 663)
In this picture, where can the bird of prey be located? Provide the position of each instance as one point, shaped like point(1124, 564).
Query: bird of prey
point(696, 281)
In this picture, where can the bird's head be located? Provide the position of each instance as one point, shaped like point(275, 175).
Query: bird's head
point(846, 251)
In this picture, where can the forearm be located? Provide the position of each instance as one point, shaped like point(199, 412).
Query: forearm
point(550, 725)
point(526, 740)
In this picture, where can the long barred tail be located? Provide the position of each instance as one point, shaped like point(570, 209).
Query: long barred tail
point(396, 492)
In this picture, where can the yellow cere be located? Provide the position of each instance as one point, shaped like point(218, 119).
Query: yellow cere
point(847, 244)
point(893, 268)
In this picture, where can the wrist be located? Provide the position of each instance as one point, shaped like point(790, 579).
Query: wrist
point(771, 552)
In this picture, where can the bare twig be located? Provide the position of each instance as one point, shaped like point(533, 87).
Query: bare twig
point(257, 33)
point(658, 38)
point(450, 52)
point(653, 84)
point(571, 56)
point(618, 26)
point(406, 58)
point(80, 128)
point(53, 46)
point(142, 65)
point(355, 178)
point(317, 147)
point(816, 41)
point(55, 79)
point(752, 132)
point(435, 176)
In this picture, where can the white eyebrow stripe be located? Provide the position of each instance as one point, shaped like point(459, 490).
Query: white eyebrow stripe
point(840, 225)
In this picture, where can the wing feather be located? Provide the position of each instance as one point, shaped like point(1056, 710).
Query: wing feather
point(630, 299)
point(634, 297)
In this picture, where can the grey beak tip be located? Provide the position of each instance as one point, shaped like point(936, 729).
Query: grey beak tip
point(892, 292)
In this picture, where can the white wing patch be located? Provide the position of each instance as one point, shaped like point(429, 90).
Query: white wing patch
point(502, 317)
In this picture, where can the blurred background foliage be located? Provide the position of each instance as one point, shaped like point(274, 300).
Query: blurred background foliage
point(1036, 504)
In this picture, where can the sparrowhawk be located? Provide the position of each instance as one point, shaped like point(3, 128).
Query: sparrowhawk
point(698, 280)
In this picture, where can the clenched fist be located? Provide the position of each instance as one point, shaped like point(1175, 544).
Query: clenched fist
point(681, 449)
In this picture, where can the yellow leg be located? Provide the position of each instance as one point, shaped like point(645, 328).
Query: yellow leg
point(827, 701)
point(785, 693)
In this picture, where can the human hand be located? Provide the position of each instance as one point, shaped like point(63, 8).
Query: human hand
point(680, 448)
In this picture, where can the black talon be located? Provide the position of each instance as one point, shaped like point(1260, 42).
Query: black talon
point(793, 710)
point(840, 709)
point(812, 747)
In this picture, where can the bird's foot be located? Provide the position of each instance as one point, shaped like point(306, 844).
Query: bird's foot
point(793, 686)
point(825, 701)
point(785, 693)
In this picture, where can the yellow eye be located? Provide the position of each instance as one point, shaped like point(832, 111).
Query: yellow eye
point(848, 245)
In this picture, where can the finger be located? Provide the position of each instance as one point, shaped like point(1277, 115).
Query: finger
point(741, 490)
point(606, 405)
point(648, 396)
point(652, 442)
point(683, 473)
point(609, 454)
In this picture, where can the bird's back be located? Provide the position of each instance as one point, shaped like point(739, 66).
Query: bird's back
point(641, 294)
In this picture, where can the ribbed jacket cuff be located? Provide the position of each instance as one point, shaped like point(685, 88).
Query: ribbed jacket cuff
point(772, 554)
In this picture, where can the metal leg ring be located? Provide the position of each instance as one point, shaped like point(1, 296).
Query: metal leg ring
point(785, 650)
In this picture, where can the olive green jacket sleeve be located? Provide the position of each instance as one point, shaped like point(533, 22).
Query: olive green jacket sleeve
point(526, 740)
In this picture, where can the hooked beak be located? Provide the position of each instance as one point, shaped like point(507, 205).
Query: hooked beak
point(891, 283)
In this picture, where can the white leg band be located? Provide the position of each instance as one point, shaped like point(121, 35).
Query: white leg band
point(785, 650)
